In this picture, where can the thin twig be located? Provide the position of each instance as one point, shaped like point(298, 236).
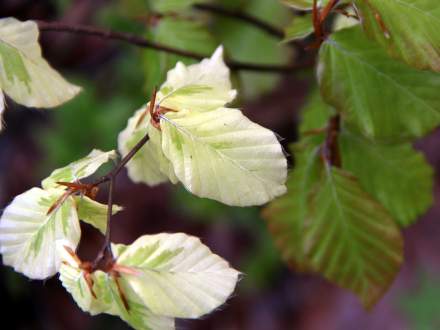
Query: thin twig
point(105, 253)
point(262, 25)
point(141, 42)
point(113, 173)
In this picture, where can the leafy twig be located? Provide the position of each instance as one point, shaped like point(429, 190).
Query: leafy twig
point(141, 42)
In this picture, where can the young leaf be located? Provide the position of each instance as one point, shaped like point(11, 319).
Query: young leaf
point(408, 29)
point(199, 87)
point(175, 275)
point(224, 156)
point(93, 213)
point(79, 169)
point(24, 75)
point(394, 101)
point(390, 173)
point(28, 233)
point(299, 28)
point(100, 294)
point(351, 239)
point(149, 165)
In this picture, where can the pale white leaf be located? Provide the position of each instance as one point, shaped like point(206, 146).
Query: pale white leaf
point(199, 87)
point(28, 234)
point(223, 155)
point(79, 169)
point(106, 298)
point(176, 275)
point(149, 165)
point(24, 74)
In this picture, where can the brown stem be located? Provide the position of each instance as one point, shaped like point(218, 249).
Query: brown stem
point(113, 173)
point(104, 259)
point(330, 149)
point(319, 17)
point(141, 42)
point(262, 25)
point(327, 9)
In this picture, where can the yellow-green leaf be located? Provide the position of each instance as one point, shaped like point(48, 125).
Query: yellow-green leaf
point(28, 234)
point(24, 74)
point(176, 275)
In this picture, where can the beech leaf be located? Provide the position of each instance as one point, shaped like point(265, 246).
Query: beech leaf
point(28, 234)
point(79, 169)
point(24, 74)
point(385, 99)
point(407, 29)
point(176, 275)
point(101, 295)
point(224, 156)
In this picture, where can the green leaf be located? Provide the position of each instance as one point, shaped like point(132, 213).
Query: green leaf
point(203, 86)
point(79, 169)
point(183, 34)
point(93, 213)
point(24, 75)
point(224, 156)
point(28, 233)
point(107, 297)
point(385, 99)
point(328, 224)
point(299, 28)
point(149, 165)
point(175, 275)
point(351, 239)
point(408, 29)
point(315, 113)
point(286, 215)
point(390, 173)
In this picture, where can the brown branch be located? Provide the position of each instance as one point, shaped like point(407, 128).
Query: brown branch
point(141, 42)
point(319, 17)
point(105, 255)
point(104, 259)
point(262, 25)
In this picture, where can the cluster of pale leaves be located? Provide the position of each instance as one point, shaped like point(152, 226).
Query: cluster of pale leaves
point(216, 152)
point(161, 276)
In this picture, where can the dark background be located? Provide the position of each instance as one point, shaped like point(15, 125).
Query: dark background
point(112, 74)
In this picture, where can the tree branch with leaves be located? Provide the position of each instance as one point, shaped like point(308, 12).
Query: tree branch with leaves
point(356, 183)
